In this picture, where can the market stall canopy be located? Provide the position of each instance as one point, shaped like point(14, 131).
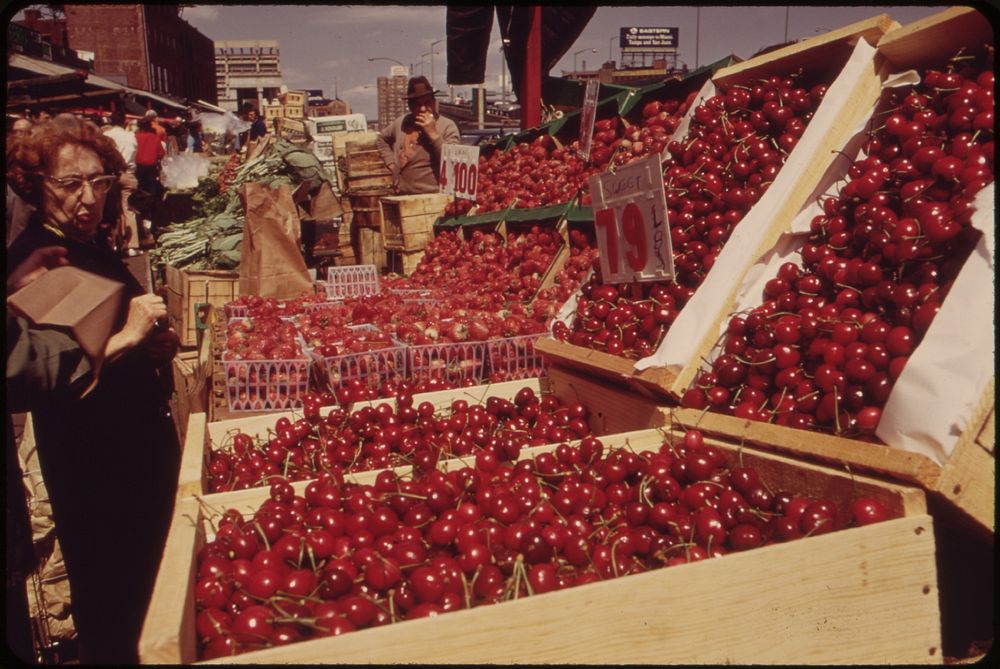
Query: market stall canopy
point(33, 81)
point(468, 30)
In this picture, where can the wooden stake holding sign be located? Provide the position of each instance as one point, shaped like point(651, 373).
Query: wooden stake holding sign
point(630, 219)
point(587, 113)
point(460, 171)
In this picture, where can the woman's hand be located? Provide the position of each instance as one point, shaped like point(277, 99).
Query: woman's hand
point(143, 311)
point(38, 263)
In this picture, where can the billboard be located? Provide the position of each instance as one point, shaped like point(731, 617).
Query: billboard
point(649, 39)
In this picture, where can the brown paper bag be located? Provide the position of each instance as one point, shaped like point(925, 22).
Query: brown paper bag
point(271, 264)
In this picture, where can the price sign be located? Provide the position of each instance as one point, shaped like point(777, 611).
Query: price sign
point(459, 170)
point(587, 114)
point(630, 219)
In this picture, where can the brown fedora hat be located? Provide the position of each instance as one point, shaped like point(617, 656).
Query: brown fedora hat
point(419, 87)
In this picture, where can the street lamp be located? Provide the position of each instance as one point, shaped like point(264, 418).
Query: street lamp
point(391, 60)
point(433, 44)
point(579, 52)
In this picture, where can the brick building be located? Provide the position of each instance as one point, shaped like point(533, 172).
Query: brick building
point(148, 47)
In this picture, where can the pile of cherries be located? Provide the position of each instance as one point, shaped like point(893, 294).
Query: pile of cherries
point(375, 437)
point(835, 330)
point(737, 142)
point(344, 556)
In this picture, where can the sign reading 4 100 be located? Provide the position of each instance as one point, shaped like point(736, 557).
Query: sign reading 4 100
point(630, 219)
point(459, 170)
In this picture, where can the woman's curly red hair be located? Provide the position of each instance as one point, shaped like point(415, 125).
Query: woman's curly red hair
point(31, 155)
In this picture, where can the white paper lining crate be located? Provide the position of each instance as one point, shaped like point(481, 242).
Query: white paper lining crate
point(862, 595)
point(190, 293)
point(374, 367)
point(408, 220)
point(966, 478)
point(826, 54)
point(351, 281)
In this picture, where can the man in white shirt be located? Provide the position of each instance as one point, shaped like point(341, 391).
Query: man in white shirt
point(124, 140)
point(128, 228)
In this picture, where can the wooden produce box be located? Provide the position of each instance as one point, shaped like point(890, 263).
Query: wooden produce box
point(273, 112)
point(824, 56)
point(367, 173)
point(403, 262)
point(966, 479)
point(861, 595)
point(192, 372)
point(292, 98)
point(408, 220)
point(611, 410)
point(190, 293)
point(293, 111)
point(365, 211)
point(370, 249)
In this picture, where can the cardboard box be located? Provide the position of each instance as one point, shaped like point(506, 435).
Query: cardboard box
point(408, 220)
point(860, 595)
point(86, 304)
point(190, 293)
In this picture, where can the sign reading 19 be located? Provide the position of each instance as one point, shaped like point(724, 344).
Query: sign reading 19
point(630, 243)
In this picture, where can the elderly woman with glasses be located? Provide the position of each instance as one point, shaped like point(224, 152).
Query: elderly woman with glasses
point(109, 457)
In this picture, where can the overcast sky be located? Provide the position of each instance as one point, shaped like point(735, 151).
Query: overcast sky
point(327, 46)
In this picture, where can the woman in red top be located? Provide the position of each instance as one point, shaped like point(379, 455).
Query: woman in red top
point(149, 151)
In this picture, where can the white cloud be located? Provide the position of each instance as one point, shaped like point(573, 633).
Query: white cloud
point(201, 13)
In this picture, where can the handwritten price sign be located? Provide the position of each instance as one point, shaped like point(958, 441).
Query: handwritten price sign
point(460, 170)
point(630, 219)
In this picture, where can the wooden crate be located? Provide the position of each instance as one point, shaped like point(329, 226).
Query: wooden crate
point(408, 220)
point(365, 211)
point(403, 262)
point(190, 293)
point(293, 111)
point(861, 595)
point(370, 250)
point(966, 479)
point(292, 98)
point(366, 171)
point(191, 373)
point(611, 410)
point(273, 112)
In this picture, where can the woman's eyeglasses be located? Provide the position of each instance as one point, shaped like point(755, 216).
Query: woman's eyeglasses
point(74, 184)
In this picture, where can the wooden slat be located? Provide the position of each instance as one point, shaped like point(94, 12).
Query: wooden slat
point(936, 38)
point(821, 54)
point(657, 380)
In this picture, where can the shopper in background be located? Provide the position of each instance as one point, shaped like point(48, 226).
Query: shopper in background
point(257, 126)
point(124, 140)
point(16, 211)
point(149, 153)
point(126, 143)
point(154, 122)
point(411, 145)
point(110, 458)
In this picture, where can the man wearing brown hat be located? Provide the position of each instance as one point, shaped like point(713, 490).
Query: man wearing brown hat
point(411, 145)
